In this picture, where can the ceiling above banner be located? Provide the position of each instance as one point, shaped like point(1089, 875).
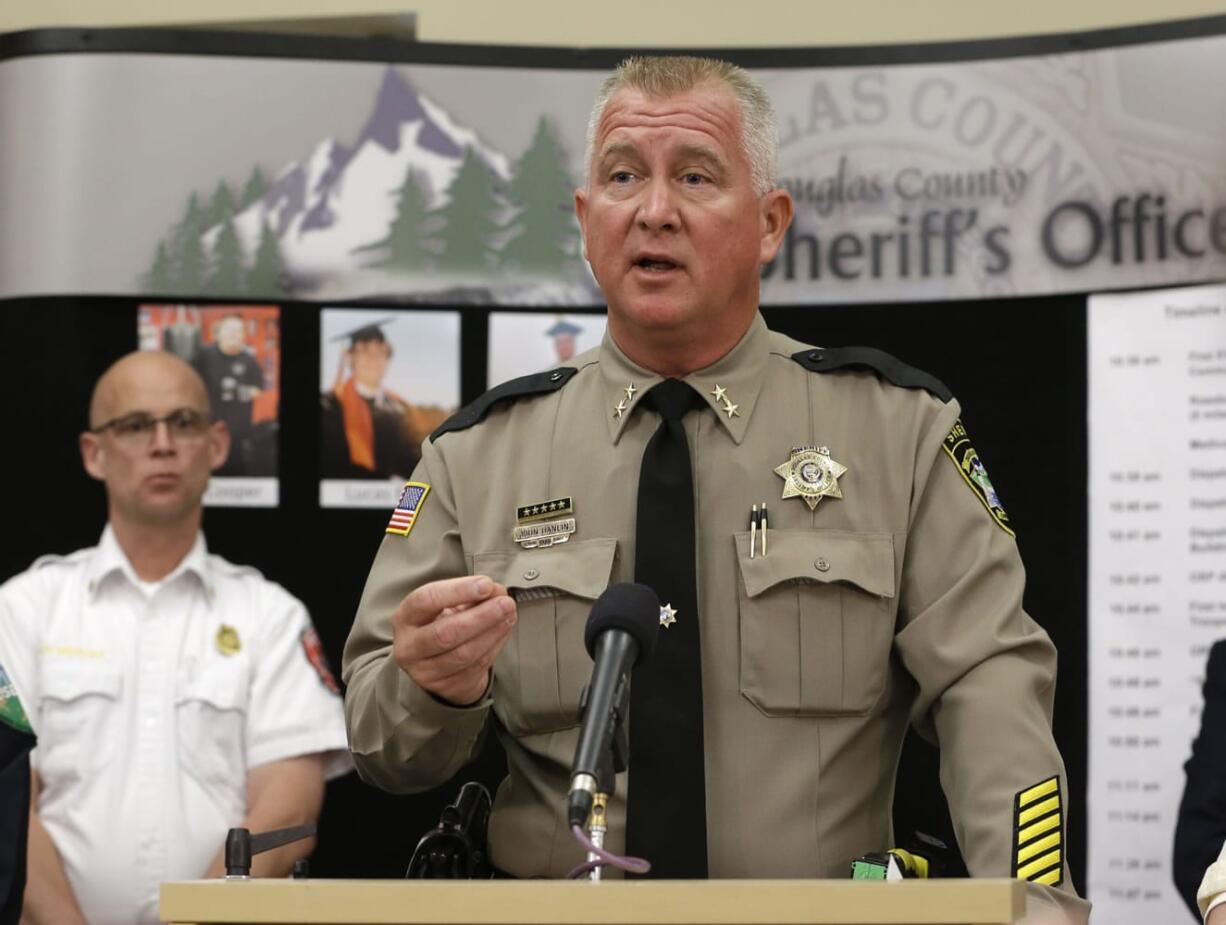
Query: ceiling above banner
point(272, 170)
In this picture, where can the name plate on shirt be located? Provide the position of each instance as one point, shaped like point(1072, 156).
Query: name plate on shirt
point(549, 533)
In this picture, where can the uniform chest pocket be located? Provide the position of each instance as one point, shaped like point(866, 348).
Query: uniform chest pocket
point(79, 719)
point(211, 720)
point(816, 621)
point(540, 672)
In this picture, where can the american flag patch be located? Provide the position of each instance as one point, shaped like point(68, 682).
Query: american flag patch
point(407, 507)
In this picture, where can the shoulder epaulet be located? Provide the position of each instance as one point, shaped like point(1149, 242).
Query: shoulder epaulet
point(892, 369)
point(233, 569)
point(536, 384)
point(74, 557)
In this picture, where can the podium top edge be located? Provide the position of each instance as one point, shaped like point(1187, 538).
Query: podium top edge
point(542, 902)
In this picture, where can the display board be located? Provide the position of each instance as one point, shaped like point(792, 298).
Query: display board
point(1157, 492)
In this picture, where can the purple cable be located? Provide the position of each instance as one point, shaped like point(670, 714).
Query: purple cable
point(632, 865)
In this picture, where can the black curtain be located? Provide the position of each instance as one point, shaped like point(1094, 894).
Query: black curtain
point(1018, 367)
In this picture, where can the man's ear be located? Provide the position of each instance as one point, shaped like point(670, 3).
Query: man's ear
point(581, 215)
point(93, 455)
point(219, 444)
point(777, 211)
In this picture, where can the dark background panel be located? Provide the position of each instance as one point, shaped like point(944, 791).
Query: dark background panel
point(1017, 367)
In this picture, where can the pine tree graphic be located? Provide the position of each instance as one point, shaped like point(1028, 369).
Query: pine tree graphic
point(189, 263)
point(407, 245)
point(221, 206)
point(470, 218)
point(254, 188)
point(159, 277)
point(227, 276)
point(541, 190)
point(267, 276)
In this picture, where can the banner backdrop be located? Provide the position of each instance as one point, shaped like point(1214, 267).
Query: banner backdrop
point(268, 178)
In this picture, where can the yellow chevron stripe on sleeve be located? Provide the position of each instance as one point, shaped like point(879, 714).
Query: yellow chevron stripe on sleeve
point(1051, 878)
point(1037, 848)
point(1038, 865)
point(1034, 831)
point(1038, 791)
point(1038, 809)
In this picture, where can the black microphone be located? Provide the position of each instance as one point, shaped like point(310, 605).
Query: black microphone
point(620, 633)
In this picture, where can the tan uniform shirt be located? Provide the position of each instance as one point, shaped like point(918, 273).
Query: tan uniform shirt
point(900, 601)
point(1212, 892)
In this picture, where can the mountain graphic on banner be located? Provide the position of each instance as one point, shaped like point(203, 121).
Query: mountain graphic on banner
point(329, 226)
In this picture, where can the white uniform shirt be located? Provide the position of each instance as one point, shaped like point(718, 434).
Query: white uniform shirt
point(150, 703)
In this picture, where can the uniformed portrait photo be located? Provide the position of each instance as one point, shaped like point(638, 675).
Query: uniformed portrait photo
point(237, 351)
point(387, 379)
point(522, 343)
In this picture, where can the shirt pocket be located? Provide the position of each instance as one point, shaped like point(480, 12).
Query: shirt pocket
point(79, 719)
point(211, 720)
point(816, 621)
point(541, 671)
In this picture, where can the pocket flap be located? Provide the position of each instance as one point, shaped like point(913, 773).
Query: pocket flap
point(579, 568)
point(222, 686)
point(68, 683)
point(865, 560)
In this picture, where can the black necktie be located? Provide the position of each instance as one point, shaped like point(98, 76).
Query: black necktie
point(666, 811)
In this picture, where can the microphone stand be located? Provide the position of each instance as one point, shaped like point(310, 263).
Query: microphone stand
point(612, 763)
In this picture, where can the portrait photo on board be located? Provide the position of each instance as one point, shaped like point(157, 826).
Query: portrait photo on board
point(387, 379)
point(237, 351)
point(521, 342)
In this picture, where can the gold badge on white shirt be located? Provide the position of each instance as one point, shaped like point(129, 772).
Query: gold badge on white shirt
point(228, 642)
point(811, 474)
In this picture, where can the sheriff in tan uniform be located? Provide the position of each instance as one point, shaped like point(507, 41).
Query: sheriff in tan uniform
point(889, 590)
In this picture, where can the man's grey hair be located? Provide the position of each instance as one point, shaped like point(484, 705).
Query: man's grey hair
point(664, 77)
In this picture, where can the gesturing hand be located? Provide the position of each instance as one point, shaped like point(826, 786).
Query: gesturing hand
point(446, 635)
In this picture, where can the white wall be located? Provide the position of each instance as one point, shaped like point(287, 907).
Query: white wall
point(730, 23)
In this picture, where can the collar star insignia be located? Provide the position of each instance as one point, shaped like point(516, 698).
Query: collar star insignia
point(619, 409)
point(630, 390)
point(668, 615)
point(720, 393)
point(810, 473)
point(731, 410)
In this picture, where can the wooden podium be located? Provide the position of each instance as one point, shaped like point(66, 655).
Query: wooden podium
point(612, 902)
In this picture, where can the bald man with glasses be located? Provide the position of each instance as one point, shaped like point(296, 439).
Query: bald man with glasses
point(173, 695)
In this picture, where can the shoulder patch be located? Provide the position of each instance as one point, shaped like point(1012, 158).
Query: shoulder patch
point(313, 648)
point(536, 384)
point(892, 369)
point(958, 447)
point(12, 714)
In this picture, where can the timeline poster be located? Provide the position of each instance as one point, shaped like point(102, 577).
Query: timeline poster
point(237, 351)
point(529, 343)
point(387, 379)
point(1157, 407)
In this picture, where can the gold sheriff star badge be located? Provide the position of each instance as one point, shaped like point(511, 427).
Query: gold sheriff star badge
point(811, 474)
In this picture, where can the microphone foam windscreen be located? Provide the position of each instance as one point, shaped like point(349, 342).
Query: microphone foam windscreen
point(625, 606)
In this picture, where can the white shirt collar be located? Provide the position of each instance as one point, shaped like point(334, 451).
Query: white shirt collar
point(109, 559)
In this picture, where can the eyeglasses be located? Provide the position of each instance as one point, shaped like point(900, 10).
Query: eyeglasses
point(181, 424)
